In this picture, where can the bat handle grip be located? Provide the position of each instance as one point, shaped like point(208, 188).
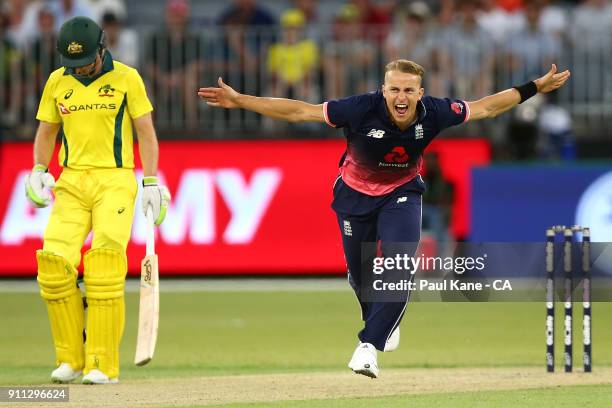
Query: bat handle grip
point(150, 231)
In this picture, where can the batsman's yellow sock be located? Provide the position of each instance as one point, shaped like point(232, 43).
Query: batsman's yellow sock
point(57, 281)
point(105, 271)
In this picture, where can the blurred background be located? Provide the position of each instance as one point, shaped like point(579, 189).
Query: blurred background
point(264, 204)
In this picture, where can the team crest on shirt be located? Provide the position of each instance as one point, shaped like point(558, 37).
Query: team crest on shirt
point(418, 131)
point(74, 48)
point(63, 110)
point(457, 108)
point(107, 91)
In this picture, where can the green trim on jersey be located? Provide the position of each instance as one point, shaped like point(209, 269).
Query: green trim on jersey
point(65, 142)
point(118, 141)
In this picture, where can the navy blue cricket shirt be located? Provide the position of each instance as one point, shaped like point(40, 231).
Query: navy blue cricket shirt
point(379, 156)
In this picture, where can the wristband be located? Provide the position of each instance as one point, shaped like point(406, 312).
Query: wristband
point(149, 181)
point(39, 167)
point(527, 90)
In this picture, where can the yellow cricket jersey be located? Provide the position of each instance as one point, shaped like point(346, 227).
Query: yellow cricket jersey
point(96, 115)
point(292, 62)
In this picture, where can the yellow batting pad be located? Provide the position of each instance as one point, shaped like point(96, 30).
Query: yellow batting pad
point(105, 271)
point(57, 281)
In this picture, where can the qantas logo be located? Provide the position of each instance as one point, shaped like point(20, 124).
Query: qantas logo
point(63, 109)
point(87, 107)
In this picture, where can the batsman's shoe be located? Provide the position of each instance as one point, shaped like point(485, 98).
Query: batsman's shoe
point(393, 341)
point(364, 360)
point(64, 374)
point(98, 377)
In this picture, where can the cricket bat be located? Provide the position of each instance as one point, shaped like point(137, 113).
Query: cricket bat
point(148, 316)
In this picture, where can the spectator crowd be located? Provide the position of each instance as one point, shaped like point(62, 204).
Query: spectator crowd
point(313, 51)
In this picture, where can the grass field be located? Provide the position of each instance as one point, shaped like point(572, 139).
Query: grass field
point(290, 349)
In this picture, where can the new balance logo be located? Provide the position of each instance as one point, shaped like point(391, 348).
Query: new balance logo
point(348, 231)
point(376, 134)
point(418, 131)
point(402, 199)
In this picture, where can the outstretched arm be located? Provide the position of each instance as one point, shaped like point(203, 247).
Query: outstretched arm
point(493, 105)
point(278, 108)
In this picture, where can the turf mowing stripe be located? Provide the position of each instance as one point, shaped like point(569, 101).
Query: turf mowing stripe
point(569, 396)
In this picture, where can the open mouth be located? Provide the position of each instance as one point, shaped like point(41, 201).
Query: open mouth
point(401, 108)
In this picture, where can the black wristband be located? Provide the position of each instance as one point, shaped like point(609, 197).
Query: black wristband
point(527, 90)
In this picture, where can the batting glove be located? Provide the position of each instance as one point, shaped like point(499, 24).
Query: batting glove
point(38, 186)
point(156, 197)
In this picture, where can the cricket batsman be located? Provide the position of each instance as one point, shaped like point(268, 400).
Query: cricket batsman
point(95, 100)
point(377, 196)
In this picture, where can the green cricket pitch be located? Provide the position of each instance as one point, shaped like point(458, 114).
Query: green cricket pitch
point(289, 348)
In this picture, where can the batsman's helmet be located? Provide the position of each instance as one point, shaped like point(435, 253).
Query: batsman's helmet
point(80, 40)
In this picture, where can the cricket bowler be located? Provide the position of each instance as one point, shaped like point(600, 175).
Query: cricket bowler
point(377, 195)
point(95, 100)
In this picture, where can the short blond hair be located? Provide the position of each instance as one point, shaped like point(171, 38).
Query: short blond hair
point(405, 66)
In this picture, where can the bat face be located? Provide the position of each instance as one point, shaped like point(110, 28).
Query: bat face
point(148, 317)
